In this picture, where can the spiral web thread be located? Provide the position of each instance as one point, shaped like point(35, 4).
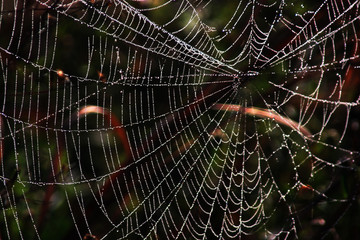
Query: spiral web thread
point(177, 119)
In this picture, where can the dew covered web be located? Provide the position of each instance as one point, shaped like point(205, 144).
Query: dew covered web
point(179, 119)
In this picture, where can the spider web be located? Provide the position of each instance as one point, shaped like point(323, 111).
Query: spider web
point(178, 119)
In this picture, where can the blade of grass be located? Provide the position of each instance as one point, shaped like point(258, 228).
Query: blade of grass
point(115, 124)
point(265, 113)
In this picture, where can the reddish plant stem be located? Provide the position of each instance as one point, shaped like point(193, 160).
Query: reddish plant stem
point(261, 113)
point(50, 188)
